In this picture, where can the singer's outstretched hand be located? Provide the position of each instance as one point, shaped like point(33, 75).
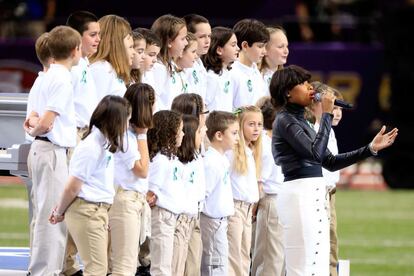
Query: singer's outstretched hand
point(383, 140)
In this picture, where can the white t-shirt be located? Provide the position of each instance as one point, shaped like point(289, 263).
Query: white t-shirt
point(197, 78)
point(33, 94)
point(195, 187)
point(267, 76)
point(331, 177)
point(186, 86)
point(106, 80)
point(85, 95)
point(148, 78)
point(166, 85)
point(165, 179)
point(248, 84)
point(271, 176)
point(219, 92)
point(56, 94)
point(93, 164)
point(245, 187)
point(125, 162)
point(219, 196)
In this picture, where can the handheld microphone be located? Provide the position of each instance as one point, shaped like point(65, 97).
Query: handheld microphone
point(318, 97)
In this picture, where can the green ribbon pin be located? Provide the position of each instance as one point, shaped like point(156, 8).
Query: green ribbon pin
point(249, 85)
point(195, 77)
point(83, 79)
point(175, 174)
point(226, 86)
point(192, 177)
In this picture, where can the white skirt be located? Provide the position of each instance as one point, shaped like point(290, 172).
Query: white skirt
point(304, 215)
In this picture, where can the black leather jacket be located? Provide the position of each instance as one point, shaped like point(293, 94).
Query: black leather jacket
point(301, 152)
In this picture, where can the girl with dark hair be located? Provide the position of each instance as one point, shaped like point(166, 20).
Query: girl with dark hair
point(194, 184)
point(166, 187)
point(302, 152)
point(221, 54)
point(89, 191)
point(129, 208)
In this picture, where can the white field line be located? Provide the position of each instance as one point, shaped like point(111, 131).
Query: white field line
point(379, 243)
point(14, 203)
point(14, 236)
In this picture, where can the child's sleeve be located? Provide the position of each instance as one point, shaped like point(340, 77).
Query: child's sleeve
point(131, 153)
point(83, 162)
point(59, 97)
point(158, 169)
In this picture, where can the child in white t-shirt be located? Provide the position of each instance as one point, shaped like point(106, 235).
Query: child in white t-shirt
point(166, 187)
point(172, 32)
point(52, 122)
point(245, 160)
point(111, 64)
point(221, 54)
point(197, 75)
point(85, 94)
point(45, 57)
point(89, 191)
point(194, 185)
point(276, 53)
point(268, 253)
point(248, 84)
point(222, 131)
point(185, 62)
point(126, 216)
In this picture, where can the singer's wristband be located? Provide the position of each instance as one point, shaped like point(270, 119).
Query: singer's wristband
point(142, 137)
point(371, 149)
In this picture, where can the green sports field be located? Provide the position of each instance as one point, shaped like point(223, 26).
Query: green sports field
point(376, 229)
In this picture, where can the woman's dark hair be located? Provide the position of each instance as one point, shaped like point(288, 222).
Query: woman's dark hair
point(188, 103)
point(268, 112)
point(141, 96)
point(111, 118)
point(162, 137)
point(283, 81)
point(187, 152)
point(219, 37)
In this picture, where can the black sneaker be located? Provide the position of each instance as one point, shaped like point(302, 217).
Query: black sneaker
point(78, 273)
point(143, 271)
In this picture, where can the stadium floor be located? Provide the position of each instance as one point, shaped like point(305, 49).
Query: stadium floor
point(14, 261)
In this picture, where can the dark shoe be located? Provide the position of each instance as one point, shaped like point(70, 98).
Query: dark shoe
point(78, 273)
point(143, 271)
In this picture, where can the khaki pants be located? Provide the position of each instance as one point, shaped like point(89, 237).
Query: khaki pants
point(124, 221)
point(195, 247)
point(214, 260)
point(88, 225)
point(71, 265)
point(239, 235)
point(162, 241)
point(49, 172)
point(333, 258)
point(182, 235)
point(268, 254)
